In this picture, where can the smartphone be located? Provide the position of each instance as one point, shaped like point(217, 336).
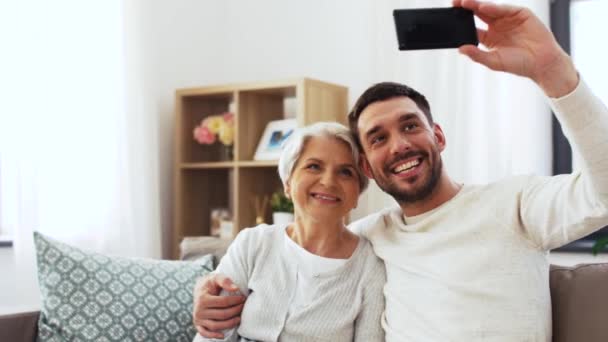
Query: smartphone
point(434, 28)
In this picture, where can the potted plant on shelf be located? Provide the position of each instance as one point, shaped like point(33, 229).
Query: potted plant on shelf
point(217, 127)
point(599, 245)
point(282, 208)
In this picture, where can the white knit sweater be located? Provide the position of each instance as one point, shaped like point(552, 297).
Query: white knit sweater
point(475, 269)
point(345, 304)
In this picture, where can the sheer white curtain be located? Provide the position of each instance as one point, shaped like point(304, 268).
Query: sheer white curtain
point(78, 155)
point(589, 54)
point(496, 124)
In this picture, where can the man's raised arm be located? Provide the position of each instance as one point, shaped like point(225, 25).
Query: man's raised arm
point(553, 210)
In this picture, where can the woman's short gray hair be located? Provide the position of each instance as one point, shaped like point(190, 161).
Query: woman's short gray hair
point(295, 145)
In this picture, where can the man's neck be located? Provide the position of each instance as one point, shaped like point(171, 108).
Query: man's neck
point(445, 190)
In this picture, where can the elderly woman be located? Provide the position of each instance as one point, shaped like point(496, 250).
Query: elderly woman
point(313, 279)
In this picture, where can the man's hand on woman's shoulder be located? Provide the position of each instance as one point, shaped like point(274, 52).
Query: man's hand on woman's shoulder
point(212, 312)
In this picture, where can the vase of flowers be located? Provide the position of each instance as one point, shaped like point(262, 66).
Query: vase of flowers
point(217, 129)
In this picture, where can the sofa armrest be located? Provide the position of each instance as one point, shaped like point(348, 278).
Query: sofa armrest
point(579, 297)
point(21, 327)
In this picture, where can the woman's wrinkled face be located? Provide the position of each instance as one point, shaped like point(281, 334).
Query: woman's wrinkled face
point(324, 184)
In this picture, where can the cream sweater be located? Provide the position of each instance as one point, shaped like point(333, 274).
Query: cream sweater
point(344, 304)
point(475, 269)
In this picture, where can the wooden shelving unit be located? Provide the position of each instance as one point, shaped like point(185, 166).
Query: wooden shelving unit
point(203, 182)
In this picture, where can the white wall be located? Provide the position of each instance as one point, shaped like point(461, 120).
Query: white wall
point(18, 285)
point(192, 43)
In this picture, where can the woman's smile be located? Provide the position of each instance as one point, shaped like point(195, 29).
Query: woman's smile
point(325, 197)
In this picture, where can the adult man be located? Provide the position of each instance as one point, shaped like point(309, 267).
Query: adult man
point(469, 262)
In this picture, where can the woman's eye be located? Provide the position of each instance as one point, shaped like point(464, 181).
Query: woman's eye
point(313, 166)
point(347, 172)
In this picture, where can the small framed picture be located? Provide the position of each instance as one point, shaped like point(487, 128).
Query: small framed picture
point(274, 138)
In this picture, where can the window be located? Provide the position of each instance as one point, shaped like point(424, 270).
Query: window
point(575, 24)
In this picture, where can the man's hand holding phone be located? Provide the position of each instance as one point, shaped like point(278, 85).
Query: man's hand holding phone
point(434, 28)
point(517, 41)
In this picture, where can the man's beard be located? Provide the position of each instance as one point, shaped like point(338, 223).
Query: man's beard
point(417, 194)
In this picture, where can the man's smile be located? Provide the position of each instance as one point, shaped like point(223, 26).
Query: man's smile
point(407, 166)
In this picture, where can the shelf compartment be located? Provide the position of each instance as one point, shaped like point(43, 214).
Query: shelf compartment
point(196, 194)
point(255, 182)
point(257, 108)
point(194, 109)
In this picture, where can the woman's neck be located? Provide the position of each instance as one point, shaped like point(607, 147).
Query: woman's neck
point(330, 240)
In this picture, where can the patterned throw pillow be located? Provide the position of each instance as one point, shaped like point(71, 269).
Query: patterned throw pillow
point(93, 297)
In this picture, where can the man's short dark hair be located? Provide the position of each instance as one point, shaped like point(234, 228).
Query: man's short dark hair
point(384, 91)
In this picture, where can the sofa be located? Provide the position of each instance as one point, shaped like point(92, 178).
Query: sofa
point(579, 297)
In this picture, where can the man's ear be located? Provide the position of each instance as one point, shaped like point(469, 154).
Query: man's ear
point(439, 137)
point(364, 164)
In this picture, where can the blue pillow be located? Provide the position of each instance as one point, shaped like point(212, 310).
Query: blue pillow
point(91, 296)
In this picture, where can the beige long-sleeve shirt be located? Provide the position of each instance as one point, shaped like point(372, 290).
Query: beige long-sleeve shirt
point(475, 269)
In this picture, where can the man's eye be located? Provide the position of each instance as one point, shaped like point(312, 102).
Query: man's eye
point(377, 139)
point(410, 127)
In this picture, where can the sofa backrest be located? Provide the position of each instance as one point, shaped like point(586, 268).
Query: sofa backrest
point(21, 327)
point(579, 297)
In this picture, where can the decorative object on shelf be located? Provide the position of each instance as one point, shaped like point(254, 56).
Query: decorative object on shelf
point(214, 128)
point(227, 152)
point(226, 227)
point(260, 203)
point(275, 135)
point(282, 208)
point(217, 216)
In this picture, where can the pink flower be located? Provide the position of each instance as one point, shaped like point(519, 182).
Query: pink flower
point(203, 135)
point(214, 127)
point(228, 117)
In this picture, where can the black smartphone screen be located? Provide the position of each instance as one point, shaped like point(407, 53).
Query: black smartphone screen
point(434, 28)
